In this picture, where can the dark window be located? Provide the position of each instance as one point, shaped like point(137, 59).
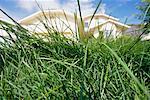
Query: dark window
point(107, 33)
point(86, 24)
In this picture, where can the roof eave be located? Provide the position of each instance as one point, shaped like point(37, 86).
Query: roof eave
point(104, 15)
point(27, 19)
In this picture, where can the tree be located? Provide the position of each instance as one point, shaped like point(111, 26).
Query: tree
point(145, 15)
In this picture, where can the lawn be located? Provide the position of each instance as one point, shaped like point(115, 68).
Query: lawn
point(63, 69)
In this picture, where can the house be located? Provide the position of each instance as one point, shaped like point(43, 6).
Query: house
point(108, 24)
point(134, 30)
point(3, 33)
point(52, 20)
point(137, 30)
point(70, 24)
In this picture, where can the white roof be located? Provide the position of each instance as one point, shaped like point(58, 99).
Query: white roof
point(101, 14)
point(40, 13)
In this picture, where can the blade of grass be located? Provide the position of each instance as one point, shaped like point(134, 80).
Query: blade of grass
point(95, 12)
point(143, 88)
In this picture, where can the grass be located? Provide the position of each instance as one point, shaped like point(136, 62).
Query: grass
point(31, 68)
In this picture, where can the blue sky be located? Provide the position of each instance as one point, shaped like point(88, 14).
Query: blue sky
point(121, 9)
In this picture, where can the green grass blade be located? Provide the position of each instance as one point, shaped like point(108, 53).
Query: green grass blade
point(143, 88)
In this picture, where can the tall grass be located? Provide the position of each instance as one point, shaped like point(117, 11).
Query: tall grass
point(31, 68)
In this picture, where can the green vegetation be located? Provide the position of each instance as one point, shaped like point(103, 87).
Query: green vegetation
point(31, 68)
point(62, 69)
point(145, 15)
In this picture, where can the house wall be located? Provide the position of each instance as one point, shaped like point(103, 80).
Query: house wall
point(3, 33)
point(109, 26)
point(96, 21)
point(134, 30)
point(59, 24)
point(119, 31)
point(109, 29)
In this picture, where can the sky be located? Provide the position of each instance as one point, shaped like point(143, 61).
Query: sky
point(121, 9)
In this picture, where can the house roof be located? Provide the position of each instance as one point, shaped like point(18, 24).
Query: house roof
point(49, 13)
point(110, 19)
point(101, 15)
point(115, 22)
point(55, 12)
point(29, 19)
point(118, 23)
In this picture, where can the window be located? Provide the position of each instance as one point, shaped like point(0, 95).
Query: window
point(107, 33)
point(86, 24)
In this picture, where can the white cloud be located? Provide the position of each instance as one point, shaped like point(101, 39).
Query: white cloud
point(87, 6)
point(31, 5)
